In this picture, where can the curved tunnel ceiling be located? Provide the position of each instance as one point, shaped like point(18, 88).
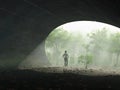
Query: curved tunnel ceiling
point(25, 24)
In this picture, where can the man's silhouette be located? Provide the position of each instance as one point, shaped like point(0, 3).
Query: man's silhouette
point(65, 56)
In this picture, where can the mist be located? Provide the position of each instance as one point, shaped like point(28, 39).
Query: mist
point(89, 45)
point(35, 59)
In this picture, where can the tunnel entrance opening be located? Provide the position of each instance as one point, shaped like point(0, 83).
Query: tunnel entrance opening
point(89, 44)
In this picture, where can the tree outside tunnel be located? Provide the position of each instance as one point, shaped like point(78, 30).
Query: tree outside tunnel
point(89, 44)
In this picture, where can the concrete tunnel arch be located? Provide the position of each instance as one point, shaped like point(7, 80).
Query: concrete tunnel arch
point(28, 26)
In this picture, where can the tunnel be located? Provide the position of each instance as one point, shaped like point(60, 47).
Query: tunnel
point(25, 24)
point(25, 27)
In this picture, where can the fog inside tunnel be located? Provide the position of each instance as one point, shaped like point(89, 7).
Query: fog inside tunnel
point(35, 59)
point(89, 44)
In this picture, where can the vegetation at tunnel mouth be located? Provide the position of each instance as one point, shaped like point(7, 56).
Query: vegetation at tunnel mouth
point(97, 48)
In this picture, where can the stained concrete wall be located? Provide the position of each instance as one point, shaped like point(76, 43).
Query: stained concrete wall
point(24, 24)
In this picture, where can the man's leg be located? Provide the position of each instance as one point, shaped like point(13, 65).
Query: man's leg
point(66, 62)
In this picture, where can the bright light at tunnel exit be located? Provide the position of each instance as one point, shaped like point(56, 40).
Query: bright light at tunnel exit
point(76, 46)
point(86, 26)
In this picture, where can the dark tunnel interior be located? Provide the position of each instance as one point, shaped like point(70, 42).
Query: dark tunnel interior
point(25, 24)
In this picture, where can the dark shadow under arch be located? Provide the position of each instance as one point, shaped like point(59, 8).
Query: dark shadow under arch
point(24, 26)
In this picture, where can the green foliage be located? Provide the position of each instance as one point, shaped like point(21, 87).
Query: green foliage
point(86, 59)
point(115, 43)
point(81, 59)
point(99, 38)
point(57, 34)
point(82, 49)
point(56, 43)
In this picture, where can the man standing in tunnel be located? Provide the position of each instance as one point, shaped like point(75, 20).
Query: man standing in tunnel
point(65, 56)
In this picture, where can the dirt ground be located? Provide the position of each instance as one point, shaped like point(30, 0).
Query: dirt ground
point(58, 79)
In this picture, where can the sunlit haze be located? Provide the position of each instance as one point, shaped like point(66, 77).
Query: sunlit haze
point(87, 26)
point(89, 44)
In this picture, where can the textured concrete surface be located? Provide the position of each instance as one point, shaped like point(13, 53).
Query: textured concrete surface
point(24, 24)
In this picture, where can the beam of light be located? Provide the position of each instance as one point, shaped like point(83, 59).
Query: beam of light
point(35, 59)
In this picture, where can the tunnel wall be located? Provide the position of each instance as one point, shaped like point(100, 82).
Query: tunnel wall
point(26, 24)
